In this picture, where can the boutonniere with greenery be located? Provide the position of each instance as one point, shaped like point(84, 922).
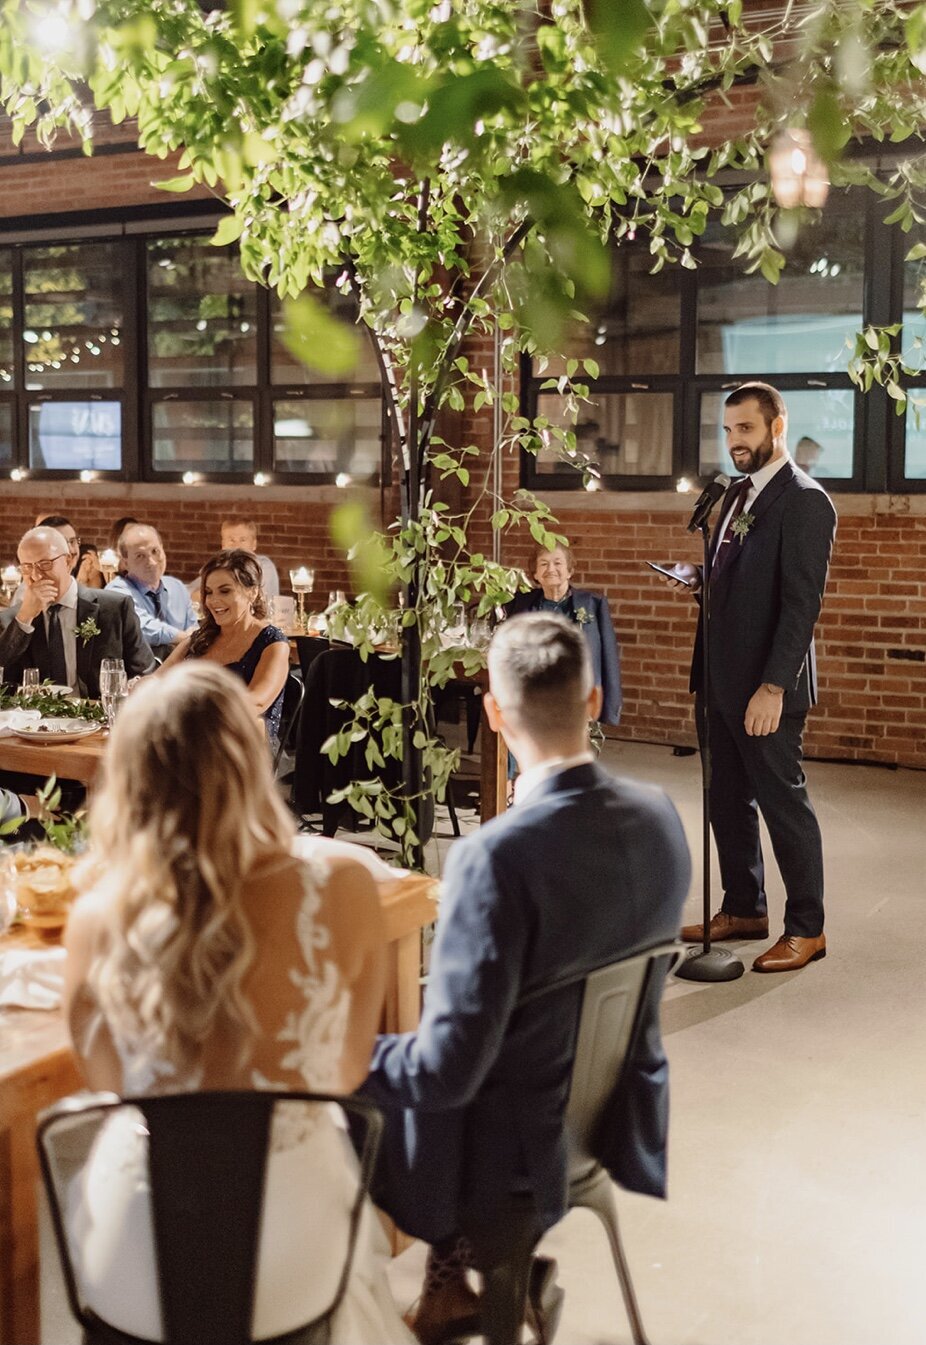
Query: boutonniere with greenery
point(88, 629)
point(742, 525)
point(582, 616)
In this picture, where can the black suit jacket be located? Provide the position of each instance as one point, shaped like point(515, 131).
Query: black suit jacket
point(588, 868)
point(120, 637)
point(598, 629)
point(765, 602)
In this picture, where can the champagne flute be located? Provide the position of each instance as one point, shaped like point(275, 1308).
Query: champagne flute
point(114, 688)
point(32, 680)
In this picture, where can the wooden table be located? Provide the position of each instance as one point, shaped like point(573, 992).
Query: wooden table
point(68, 761)
point(37, 1067)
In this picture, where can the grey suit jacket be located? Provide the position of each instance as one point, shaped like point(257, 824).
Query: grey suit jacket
point(588, 869)
point(765, 602)
point(119, 637)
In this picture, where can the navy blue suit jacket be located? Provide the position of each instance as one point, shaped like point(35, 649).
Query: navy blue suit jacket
point(766, 600)
point(598, 630)
point(589, 868)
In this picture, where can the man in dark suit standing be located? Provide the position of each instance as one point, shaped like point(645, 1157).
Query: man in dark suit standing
point(583, 869)
point(770, 557)
point(64, 629)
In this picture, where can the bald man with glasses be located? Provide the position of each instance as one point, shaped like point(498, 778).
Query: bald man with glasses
point(64, 629)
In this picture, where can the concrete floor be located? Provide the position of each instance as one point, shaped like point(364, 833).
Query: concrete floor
point(797, 1189)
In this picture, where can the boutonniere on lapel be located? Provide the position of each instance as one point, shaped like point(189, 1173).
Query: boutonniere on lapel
point(582, 617)
point(742, 525)
point(87, 630)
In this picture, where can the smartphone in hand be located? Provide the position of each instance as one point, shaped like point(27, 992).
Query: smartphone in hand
point(672, 574)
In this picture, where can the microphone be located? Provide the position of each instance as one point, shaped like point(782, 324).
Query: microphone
point(706, 501)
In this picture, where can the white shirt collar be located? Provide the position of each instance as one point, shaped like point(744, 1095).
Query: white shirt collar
point(760, 479)
point(69, 596)
point(525, 784)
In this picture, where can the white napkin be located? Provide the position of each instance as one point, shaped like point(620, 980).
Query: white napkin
point(18, 719)
point(31, 978)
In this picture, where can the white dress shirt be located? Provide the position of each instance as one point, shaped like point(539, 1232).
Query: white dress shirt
point(525, 784)
point(757, 483)
point(67, 620)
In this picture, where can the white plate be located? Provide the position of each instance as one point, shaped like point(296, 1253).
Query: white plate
point(59, 731)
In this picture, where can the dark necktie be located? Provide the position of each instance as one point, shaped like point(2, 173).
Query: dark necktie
point(155, 595)
point(725, 549)
point(57, 663)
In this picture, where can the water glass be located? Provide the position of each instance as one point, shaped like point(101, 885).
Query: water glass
point(112, 665)
point(114, 688)
point(32, 680)
point(480, 634)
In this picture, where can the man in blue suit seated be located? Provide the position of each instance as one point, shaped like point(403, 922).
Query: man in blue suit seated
point(584, 868)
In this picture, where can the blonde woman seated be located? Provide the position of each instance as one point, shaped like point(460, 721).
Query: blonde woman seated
point(202, 954)
point(234, 631)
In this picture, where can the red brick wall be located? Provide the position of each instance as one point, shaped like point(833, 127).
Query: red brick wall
point(292, 526)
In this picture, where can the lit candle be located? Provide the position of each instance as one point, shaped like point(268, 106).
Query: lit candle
point(302, 579)
point(109, 564)
point(10, 575)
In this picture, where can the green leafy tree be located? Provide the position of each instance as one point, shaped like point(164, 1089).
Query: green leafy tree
point(463, 169)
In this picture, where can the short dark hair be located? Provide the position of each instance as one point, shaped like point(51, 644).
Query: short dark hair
point(54, 521)
point(770, 400)
point(540, 673)
point(118, 528)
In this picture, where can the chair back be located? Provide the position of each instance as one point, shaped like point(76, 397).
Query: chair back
point(207, 1157)
point(293, 696)
point(611, 1014)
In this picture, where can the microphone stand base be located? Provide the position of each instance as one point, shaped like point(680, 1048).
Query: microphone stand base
point(715, 964)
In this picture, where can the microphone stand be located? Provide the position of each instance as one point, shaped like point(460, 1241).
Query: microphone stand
point(707, 963)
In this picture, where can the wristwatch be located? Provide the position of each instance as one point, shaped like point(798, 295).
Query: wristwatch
point(771, 687)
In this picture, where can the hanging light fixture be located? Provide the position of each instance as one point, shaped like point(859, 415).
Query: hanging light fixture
point(799, 176)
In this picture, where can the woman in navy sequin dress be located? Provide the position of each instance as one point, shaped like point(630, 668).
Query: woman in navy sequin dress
point(234, 631)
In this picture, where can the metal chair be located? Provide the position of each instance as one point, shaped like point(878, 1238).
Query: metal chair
point(612, 1012)
point(293, 697)
point(207, 1164)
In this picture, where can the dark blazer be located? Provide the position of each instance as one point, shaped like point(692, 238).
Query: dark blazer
point(588, 868)
point(598, 630)
point(119, 637)
point(766, 600)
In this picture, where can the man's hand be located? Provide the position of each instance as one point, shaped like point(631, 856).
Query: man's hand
point(689, 578)
point(763, 713)
point(37, 598)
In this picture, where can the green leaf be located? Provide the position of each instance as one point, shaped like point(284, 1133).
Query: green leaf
point(620, 28)
point(182, 183)
point(229, 231)
point(828, 127)
point(317, 339)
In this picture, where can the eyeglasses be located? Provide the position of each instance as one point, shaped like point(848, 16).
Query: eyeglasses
point(73, 543)
point(39, 566)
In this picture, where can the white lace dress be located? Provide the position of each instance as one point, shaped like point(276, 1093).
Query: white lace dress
point(311, 1183)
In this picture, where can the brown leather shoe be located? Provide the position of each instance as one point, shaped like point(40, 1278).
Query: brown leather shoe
point(791, 953)
point(725, 926)
point(447, 1313)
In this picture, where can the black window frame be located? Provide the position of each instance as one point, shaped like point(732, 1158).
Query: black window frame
point(878, 436)
point(137, 398)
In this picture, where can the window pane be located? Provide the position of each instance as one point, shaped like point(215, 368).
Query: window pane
point(76, 436)
point(285, 368)
point(203, 436)
point(6, 434)
point(638, 330)
point(914, 323)
point(625, 433)
point(800, 325)
point(73, 316)
point(202, 316)
point(6, 317)
point(342, 435)
point(915, 425)
point(821, 430)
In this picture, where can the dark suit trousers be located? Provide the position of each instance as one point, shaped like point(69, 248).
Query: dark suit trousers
point(753, 774)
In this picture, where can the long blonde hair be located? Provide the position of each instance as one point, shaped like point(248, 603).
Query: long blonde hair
point(186, 809)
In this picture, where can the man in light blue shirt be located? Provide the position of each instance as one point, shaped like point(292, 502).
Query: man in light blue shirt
point(162, 602)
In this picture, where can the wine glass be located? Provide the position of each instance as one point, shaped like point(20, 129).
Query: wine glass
point(114, 688)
